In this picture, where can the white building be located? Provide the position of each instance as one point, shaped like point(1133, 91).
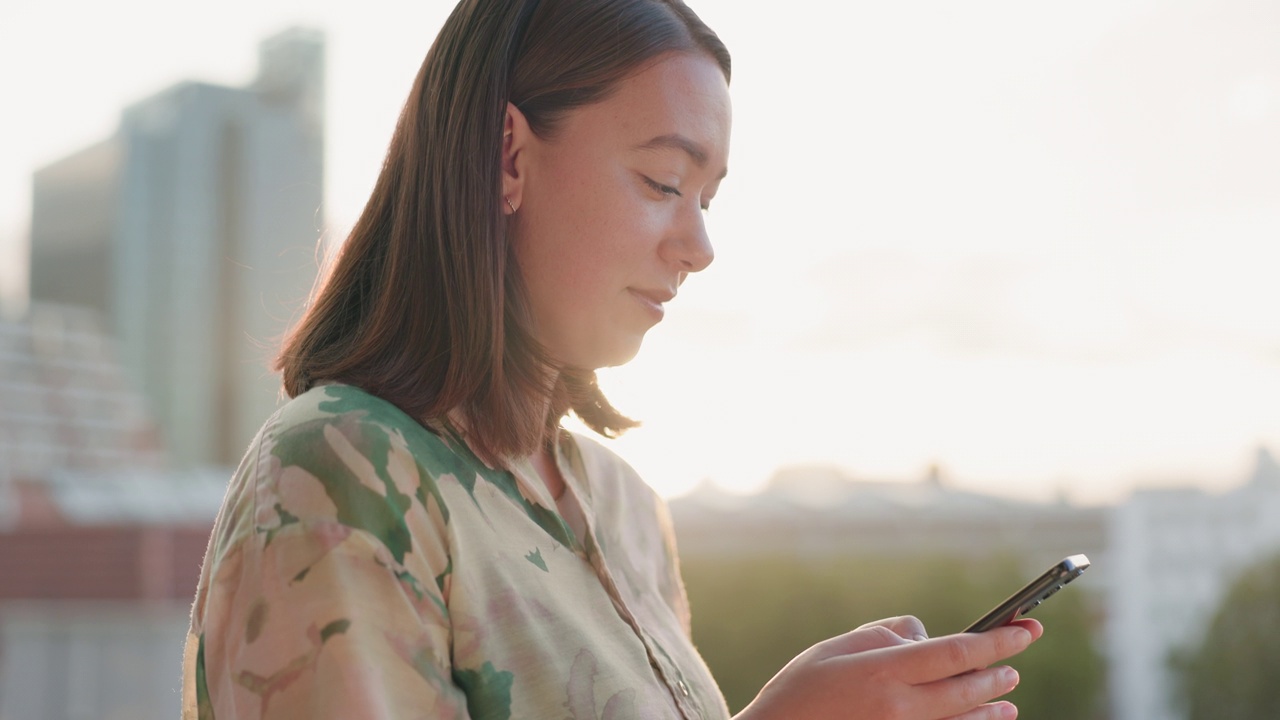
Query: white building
point(194, 231)
point(1175, 554)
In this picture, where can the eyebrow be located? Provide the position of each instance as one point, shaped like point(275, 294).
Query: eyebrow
point(680, 142)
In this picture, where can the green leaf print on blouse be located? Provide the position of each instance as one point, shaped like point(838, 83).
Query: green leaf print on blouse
point(307, 446)
point(439, 456)
point(334, 628)
point(535, 557)
point(550, 521)
point(204, 705)
point(439, 460)
point(547, 519)
point(366, 423)
point(488, 691)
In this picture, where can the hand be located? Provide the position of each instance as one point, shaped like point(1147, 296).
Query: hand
point(907, 627)
point(881, 672)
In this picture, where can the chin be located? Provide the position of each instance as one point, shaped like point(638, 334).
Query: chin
point(620, 354)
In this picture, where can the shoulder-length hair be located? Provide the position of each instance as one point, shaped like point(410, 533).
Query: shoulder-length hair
point(424, 305)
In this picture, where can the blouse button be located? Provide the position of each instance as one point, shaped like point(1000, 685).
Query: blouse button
point(683, 688)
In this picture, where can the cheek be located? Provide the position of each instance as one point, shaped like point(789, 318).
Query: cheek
point(590, 233)
point(604, 225)
point(586, 273)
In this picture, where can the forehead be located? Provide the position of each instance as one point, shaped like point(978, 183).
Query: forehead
point(681, 94)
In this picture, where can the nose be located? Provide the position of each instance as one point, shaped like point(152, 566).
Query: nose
point(689, 247)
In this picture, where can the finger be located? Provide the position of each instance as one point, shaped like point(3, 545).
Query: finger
point(907, 626)
point(962, 694)
point(992, 711)
point(944, 657)
point(865, 638)
point(1030, 625)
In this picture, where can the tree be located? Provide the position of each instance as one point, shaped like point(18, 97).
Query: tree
point(1233, 674)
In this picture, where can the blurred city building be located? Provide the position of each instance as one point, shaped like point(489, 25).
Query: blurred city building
point(1176, 553)
point(100, 546)
point(66, 406)
point(74, 209)
point(165, 262)
point(95, 594)
point(193, 232)
point(815, 511)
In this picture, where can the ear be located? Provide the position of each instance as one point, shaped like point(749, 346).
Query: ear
point(516, 140)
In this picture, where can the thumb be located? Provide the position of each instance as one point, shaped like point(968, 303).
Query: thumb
point(870, 637)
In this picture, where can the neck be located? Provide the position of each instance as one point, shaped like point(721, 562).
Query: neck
point(544, 462)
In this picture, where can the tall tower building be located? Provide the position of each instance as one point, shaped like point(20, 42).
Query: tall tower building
point(193, 231)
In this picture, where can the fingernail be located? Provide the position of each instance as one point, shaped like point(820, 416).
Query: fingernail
point(1008, 711)
point(918, 637)
point(1022, 636)
point(1008, 677)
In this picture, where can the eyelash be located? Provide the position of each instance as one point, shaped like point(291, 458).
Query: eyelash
point(668, 190)
point(664, 189)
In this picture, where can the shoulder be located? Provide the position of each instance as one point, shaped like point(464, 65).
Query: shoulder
point(342, 406)
point(333, 427)
point(339, 457)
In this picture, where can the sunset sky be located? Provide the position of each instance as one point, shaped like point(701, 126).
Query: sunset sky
point(1035, 244)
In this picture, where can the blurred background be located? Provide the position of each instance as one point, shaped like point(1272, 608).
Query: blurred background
point(996, 283)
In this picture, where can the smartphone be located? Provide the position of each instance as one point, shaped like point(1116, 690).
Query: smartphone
point(1035, 592)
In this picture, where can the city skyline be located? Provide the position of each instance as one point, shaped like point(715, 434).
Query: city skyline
point(1033, 248)
point(191, 232)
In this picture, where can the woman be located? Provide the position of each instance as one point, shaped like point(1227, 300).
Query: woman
point(413, 536)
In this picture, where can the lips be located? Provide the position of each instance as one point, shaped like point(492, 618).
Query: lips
point(653, 299)
point(657, 296)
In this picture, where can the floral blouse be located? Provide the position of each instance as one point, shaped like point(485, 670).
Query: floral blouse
point(365, 567)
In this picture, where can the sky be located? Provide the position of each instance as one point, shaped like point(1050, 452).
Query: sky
point(1031, 244)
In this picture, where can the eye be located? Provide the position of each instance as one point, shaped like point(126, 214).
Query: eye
point(664, 189)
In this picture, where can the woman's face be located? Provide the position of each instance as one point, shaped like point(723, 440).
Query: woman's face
point(611, 210)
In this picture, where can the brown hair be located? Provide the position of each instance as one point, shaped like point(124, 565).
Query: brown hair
point(424, 305)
